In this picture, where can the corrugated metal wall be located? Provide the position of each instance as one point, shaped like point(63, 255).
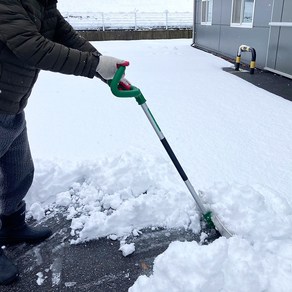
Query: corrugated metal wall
point(280, 42)
point(220, 37)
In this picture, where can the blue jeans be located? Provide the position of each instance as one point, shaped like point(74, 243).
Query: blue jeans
point(16, 165)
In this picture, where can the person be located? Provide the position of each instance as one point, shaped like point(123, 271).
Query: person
point(33, 36)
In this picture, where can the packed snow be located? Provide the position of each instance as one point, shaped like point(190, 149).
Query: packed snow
point(99, 162)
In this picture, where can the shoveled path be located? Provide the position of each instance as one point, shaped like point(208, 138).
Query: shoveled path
point(57, 265)
point(269, 81)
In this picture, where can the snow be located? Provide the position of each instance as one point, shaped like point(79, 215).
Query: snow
point(99, 162)
point(127, 248)
point(225, 265)
point(124, 5)
point(40, 279)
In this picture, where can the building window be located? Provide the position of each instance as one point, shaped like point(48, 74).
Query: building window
point(207, 9)
point(242, 13)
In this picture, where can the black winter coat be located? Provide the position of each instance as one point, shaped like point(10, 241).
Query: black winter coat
point(34, 36)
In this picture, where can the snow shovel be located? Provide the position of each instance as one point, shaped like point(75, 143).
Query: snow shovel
point(212, 221)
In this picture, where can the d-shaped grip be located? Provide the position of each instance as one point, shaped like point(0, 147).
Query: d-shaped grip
point(114, 85)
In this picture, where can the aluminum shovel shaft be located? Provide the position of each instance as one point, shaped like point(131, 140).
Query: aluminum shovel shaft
point(211, 220)
point(172, 156)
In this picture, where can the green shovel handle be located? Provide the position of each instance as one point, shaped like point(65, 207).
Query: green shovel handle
point(114, 85)
point(133, 92)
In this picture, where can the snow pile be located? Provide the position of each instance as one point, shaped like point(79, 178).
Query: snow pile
point(224, 265)
point(251, 211)
point(116, 196)
point(257, 259)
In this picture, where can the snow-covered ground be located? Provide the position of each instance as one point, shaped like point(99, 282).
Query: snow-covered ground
point(98, 158)
point(125, 5)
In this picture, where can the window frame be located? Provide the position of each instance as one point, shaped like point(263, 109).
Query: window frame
point(241, 23)
point(210, 7)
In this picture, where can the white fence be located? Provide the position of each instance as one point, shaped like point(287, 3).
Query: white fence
point(129, 20)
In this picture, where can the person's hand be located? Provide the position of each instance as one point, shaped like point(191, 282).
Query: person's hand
point(108, 66)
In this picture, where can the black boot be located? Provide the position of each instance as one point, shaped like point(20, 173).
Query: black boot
point(15, 230)
point(8, 271)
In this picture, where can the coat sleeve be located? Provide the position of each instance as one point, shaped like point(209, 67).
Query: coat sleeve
point(66, 35)
point(21, 36)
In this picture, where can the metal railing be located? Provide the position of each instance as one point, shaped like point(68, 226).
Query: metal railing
point(135, 20)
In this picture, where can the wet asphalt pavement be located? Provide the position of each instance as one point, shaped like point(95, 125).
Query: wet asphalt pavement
point(57, 265)
point(269, 81)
